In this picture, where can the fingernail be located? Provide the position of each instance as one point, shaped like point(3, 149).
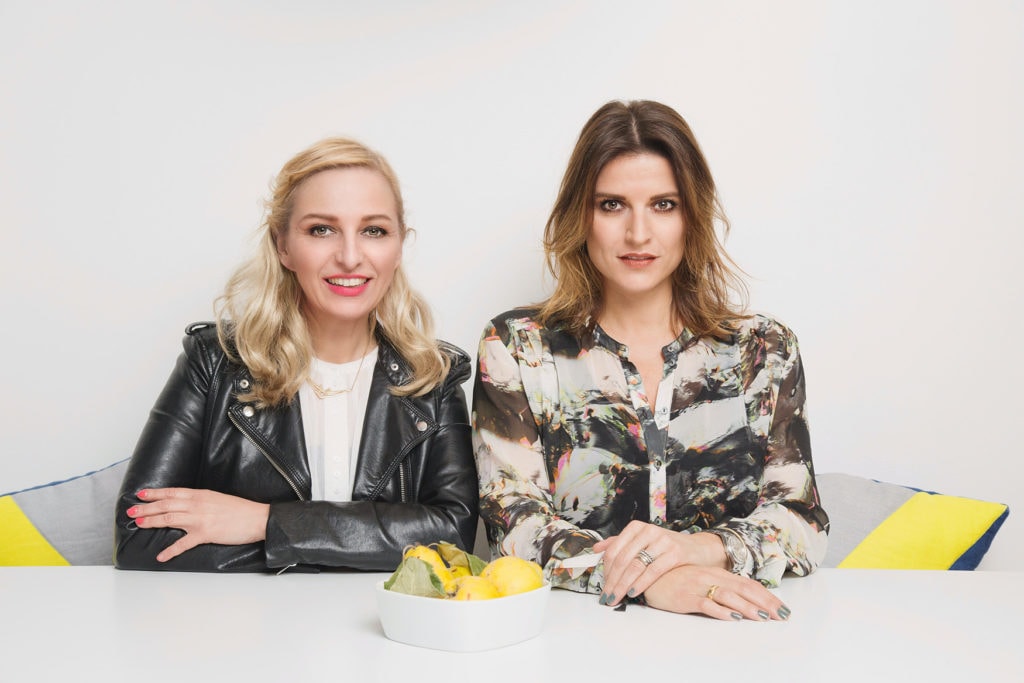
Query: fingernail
point(764, 615)
point(143, 493)
point(631, 592)
point(133, 510)
point(737, 616)
point(603, 600)
point(611, 598)
point(784, 612)
point(140, 521)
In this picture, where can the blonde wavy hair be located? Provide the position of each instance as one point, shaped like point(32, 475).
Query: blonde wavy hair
point(259, 317)
point(705, 281)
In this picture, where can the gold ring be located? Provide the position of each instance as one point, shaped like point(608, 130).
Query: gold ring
point(711, 592)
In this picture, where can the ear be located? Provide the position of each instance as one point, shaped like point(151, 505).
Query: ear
point(282, 252)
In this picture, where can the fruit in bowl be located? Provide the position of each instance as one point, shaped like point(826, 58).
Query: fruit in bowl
point(438, 571)
point(444, 598)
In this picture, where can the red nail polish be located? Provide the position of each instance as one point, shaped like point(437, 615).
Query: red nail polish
point(143, 493)
point(133, 510)
point(140, 521)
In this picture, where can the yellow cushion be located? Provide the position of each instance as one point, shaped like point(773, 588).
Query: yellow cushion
point(927, 532)
point(879, 525)
point(20, 541)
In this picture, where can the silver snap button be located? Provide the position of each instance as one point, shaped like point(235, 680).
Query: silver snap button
point(248, 411)
point(394, 367)
point(421, 425)
point(243, 384)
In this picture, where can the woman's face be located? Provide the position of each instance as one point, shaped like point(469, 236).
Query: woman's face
point(636, 238)
point(343, 243)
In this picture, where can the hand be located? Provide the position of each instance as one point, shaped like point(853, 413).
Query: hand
point(687, 589)
point(205, 517)
point(625, 574)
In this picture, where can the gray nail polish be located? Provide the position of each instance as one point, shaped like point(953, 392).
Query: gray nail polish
point(764, 615)
point(737, 616)
point(784, 612)
point(611, 598)
point(603, 600)
point(631, 592)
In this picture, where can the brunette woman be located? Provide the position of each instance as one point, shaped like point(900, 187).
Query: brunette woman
point(638, 433)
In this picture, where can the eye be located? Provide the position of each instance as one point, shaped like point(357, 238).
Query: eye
point(374, 231)
point(665, 205)
point(609, 205)
point(320, 230)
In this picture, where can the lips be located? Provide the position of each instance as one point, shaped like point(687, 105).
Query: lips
point(348, 285)
point(637, 260)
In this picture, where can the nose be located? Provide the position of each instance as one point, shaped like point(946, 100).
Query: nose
point(637, 229)
point(349, 254)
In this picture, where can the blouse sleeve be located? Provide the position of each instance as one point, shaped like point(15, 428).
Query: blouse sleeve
point(788, 528)
point(516, 501)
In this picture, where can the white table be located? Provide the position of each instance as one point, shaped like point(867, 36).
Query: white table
point(98, 623)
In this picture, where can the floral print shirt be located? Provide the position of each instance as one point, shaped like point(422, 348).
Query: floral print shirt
point(569, 451)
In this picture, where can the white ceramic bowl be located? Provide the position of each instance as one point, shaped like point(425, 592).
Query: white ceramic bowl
point(461, 625)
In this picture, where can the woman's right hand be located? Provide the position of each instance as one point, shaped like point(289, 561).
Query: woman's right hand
point(687, 589)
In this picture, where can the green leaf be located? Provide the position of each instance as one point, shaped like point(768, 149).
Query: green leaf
point(457, 557)
point(415, 577)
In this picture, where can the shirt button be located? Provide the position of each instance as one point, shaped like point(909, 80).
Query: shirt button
point(248, 411)
point(659, 521)
point(421, 425)
point(632, 380)
point(657, 464)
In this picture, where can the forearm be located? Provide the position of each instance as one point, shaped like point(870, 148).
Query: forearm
point(363, 535)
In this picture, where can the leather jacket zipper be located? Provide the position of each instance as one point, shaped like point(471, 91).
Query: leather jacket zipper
point(270, 459)
point(401, 483)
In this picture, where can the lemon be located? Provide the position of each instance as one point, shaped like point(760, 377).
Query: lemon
point(432, 558)
point(474, 588)
point(513, 575)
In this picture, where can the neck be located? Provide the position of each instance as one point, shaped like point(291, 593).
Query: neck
point(340, 341)
point(633, 320)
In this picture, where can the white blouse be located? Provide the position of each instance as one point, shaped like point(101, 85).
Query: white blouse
point(333, 425)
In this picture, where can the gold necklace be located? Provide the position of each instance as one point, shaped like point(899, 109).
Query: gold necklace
point(323, 393)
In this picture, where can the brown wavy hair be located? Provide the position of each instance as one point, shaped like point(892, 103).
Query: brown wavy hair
point(705, 281)
point(259, 316)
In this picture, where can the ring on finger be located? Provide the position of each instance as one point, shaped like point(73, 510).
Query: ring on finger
point(645, 557)
point(711, 591)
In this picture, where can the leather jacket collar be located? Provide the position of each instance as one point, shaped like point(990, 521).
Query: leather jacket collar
point(278, 432)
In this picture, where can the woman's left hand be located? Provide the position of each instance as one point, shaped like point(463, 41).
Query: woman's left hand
point(627, 575)
point(205, 517)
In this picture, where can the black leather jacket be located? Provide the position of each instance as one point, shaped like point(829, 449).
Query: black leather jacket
point(415, 481)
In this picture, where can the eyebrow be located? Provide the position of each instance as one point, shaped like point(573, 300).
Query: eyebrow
point(334, 219)
point(657, 197)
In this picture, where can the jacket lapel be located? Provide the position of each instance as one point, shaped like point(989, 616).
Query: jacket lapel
point(392, 426)
point(278, 434)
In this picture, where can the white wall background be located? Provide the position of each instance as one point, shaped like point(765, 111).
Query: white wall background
point(869, 155)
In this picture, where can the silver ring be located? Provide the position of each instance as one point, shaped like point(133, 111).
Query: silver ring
point(645, 557)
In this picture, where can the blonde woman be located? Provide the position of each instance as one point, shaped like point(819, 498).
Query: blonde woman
point(638, 433)
point(317, 423)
